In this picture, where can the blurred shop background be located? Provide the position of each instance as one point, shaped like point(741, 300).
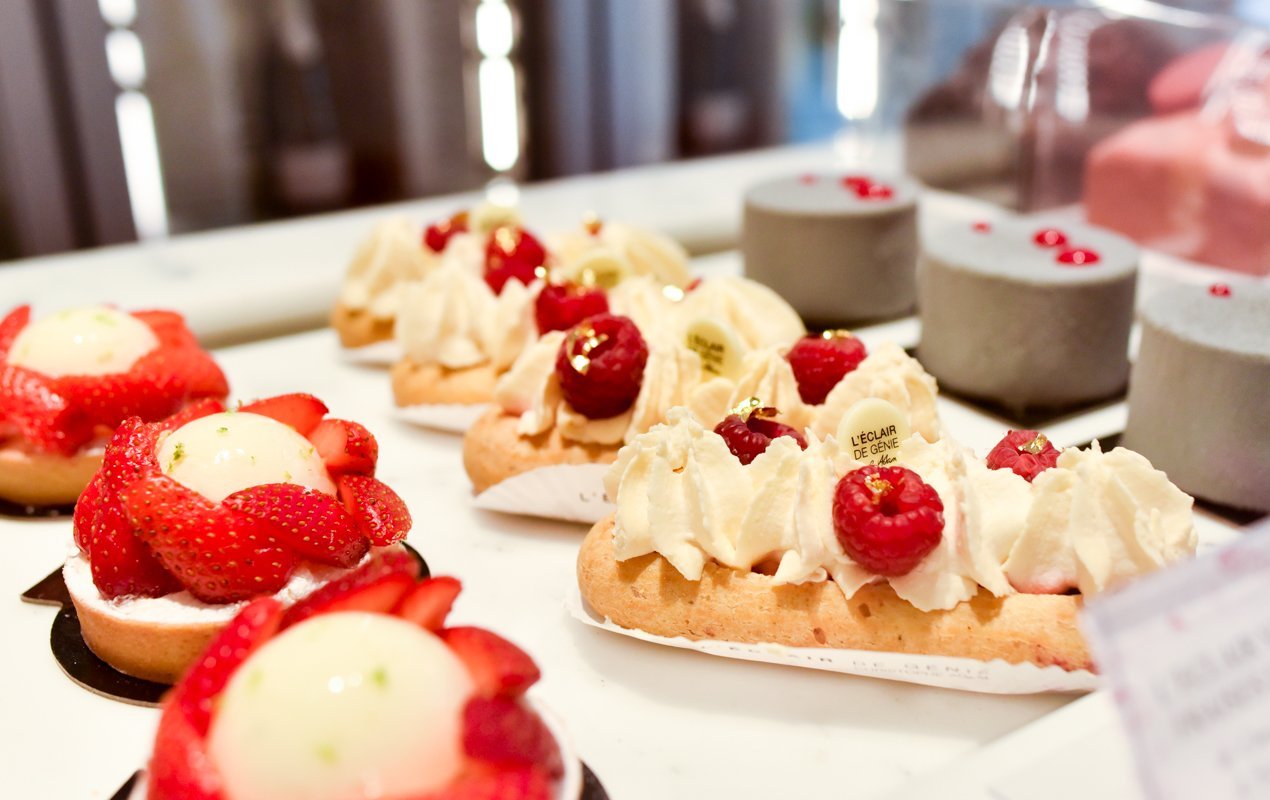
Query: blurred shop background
point(133, 119)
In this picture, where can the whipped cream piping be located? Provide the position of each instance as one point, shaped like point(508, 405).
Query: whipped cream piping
point(640, 251)
point(390, 256)
point(453, 318)
point(673, 377)
point(1095, 519)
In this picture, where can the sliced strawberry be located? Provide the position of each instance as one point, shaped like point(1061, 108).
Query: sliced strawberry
point(219, 554)
point(197, 691)
point(145, 392)
point(169, 328)
point(122, 565)
point(346, 447)
point(381, 514)
point(301, 411)
point(201, 375)
point(130, 454)
point(31, 402)
point(11, 326)
point(504, 731)
point(498, 667)
point(428, 603)
point(180, 768)
point(377, 586)
point(312, 523)
point(514, 783)
point(196, 410)
point(86, 507)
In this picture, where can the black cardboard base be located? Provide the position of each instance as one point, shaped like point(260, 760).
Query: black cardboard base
point(592, 789)
point(82, 665)
point(19, 511)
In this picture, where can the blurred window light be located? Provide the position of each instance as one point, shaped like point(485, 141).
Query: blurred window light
point(141, 164)
point(857, 58)
point(118, 13)
point(494, 31)
point(500, 123)
point(125, 58)
point(1008, 72)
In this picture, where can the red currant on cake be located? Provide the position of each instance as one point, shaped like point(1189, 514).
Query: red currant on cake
point(438, 234)
point(512, 253)
point(560, 306)
point(819, 362)
point(887, 518)
point(748, 430)
point(1026, 453)
point(601, 366)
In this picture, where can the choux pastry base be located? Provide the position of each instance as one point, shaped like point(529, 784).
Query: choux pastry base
point(649, 594)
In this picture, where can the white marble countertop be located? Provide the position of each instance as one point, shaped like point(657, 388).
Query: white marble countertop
point(249, 282)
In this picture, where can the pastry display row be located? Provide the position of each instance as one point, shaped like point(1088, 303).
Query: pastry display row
point(753, 473)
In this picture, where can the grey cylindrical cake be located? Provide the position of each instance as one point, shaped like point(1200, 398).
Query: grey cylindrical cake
point(840, 248)
point(1199, 398)
point(1024, 313)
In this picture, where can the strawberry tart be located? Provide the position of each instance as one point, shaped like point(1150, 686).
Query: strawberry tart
point(190, 517)
point(795, 542)
point(578, 396)
point(68, 379)
point(358, 691)
point(397, 253)
point(463, 325)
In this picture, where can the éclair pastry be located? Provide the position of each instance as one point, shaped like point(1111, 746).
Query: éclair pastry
point(708, 355)
point(939, 553)
point(465, 322)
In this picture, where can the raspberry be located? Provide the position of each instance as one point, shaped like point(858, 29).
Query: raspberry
point(512, 253)
point(438, 234)
point(887, 519)
point(1027, 453)
point(748, 434)
point(561, 306)
point(601, 366)
point(819, 362)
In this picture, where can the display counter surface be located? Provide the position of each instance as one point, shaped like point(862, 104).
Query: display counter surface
point(651, 721)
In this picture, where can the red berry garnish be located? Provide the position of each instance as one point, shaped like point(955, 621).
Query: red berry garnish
point(887, 518)
point(982, 227)
point(438, 234)
point(512, 253)
point(560, 306)
point(857, 183)
point(819, 362)
point(1050, 237)
point(877, 191)
point(601, 366)
point(498, 667)
point(1026, 453)
point(1078, 257)
point(1219, 290)
point(748, 434)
